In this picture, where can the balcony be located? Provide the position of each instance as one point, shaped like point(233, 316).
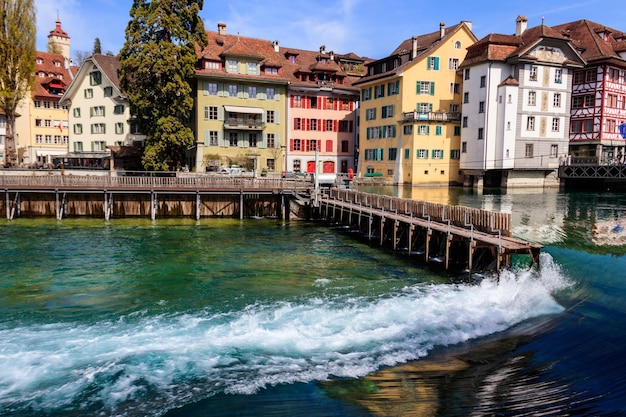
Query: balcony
point(243, 124)
point(431, 116)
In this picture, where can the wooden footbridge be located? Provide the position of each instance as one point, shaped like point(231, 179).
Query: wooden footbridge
point(459, 238)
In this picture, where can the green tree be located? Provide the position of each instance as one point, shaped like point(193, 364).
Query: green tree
point(17, 71)
point(157, 68)
point(97, 48)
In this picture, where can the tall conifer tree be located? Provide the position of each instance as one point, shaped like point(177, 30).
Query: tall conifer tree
point(17, 64)
point(157, 68)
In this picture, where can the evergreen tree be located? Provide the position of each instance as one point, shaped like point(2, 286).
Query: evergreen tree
point(97, 48)
point(157, 67)
point(17, 71)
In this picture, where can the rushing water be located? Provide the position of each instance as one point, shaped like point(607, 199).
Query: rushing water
point(264, 318)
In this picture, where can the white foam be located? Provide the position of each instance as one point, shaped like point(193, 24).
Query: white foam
point(183, 356)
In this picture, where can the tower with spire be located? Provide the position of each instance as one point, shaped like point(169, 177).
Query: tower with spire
point(59, 42)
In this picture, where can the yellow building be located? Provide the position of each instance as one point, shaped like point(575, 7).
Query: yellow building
point(410, 108)
point(240, 104)
point(42, 128)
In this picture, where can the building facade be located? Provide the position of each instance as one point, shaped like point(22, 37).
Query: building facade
point(99, 114)
point(516, 101)
point(42, 128)
point(598, 105)
point(240, 114)
point(410, 110)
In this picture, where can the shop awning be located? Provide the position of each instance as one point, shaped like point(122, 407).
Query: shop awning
point(243, 109)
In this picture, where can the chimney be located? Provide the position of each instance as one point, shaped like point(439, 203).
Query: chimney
point(520, 25)
point(221, 28)
point(468, 23)
point(413, 47)
point(323, 49)
point(332, 55)
point(275, 45)
point(442, 30)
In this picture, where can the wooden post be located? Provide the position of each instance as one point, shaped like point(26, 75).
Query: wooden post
point(241, 204)
point(197, 205)
point(153, 205)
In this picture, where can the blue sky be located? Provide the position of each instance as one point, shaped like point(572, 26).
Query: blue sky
point(371, 28)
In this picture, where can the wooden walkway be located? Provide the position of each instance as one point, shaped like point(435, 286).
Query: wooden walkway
point(458, 237)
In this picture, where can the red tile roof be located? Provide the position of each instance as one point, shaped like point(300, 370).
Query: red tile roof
point(50, 68)
point(593, 40)
point(269, 54)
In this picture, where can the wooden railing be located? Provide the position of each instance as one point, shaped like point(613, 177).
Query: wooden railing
point(55, 180)
point(482, 220)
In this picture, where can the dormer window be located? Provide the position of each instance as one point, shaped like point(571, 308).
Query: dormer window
point(211, 65)
point(253, 68)
point(39, 61)
point(233, 66)
point(57, 64)
point(323, 60)
point(271, 70)
point(292, 59)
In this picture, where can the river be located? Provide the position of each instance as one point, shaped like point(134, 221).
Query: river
point(221, 317)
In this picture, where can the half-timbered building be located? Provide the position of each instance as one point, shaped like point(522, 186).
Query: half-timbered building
point(598, 105)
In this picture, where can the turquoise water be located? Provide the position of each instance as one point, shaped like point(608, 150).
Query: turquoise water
point(262, 317)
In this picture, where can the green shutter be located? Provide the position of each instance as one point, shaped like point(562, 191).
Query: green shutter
point(398, 87)
point(436, 63)
point(418, 87)
point(432, 88)
point(438, 130)
point(407, 153)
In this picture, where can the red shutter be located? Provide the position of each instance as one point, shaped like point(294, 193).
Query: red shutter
point(290, 101)
point(308, 124)
point(291, 145)
point(335, 125)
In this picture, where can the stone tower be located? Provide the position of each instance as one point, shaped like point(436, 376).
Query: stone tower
point(59, 41)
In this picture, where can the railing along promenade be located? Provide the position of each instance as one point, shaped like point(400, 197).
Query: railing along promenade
point(55, 180)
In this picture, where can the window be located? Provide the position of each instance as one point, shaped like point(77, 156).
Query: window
point(213, 138)
point(98, 145)
point(345, 146)
point(119, 128)
point(366, 94)
point(210, 112)
point(463, 147)
point(426, 88)
point(481, 107)
point(529, 150)
point(438, 130)
point(48, 138)
point(88, 93)
point(253, 68)
point(483, 81)
point(589, 101)
point(232, 66)
point(454, 108)
point(455, 88)
point(556, 122)
point(533, 74)
point(233, 139)
point(577, 102)
point(432, 63)
point(211, 89)
point(530, 123)
point(108, 91)
point(76, 111)
point(457, 130)
point(464, 121)
point(387, 111)
point(558, 73)
point(611, 126)
point(39, 138)
point(271, 70)
point(481, 133)
point(78, 129)
point(270, 93)
point(329, 125)
point(47, 123)
point(393, 88)
point(579, 77)
point(270, 116)
point(118, 109)
point(408, 129)
point(313, 124)
point(556, 100)
point(97, 111)
point(466, 97)
point(588, 126)
point(457, 45)
point(423, 129)
point(252, 91)
point(78, 146)
point(37, 104)
point(345, 126)
point(98, 128)
point(232, 90)
point(392, 154)
point(252, 138)
point(271, 140)
point(297, 101)
point(379, 91)
point(46, 104)
point(214, 65)
point(590, 76)
point(466, 74)
point(95, 78)
point(455, 154)
point(532, 98)
point(422, 153)
point(437, 154)
point(330, 103)
point(370, 114)
point(554, 151)
point(453, 64)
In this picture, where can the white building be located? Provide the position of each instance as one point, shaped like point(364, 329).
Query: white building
point(516, 106)
point(99, 114)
